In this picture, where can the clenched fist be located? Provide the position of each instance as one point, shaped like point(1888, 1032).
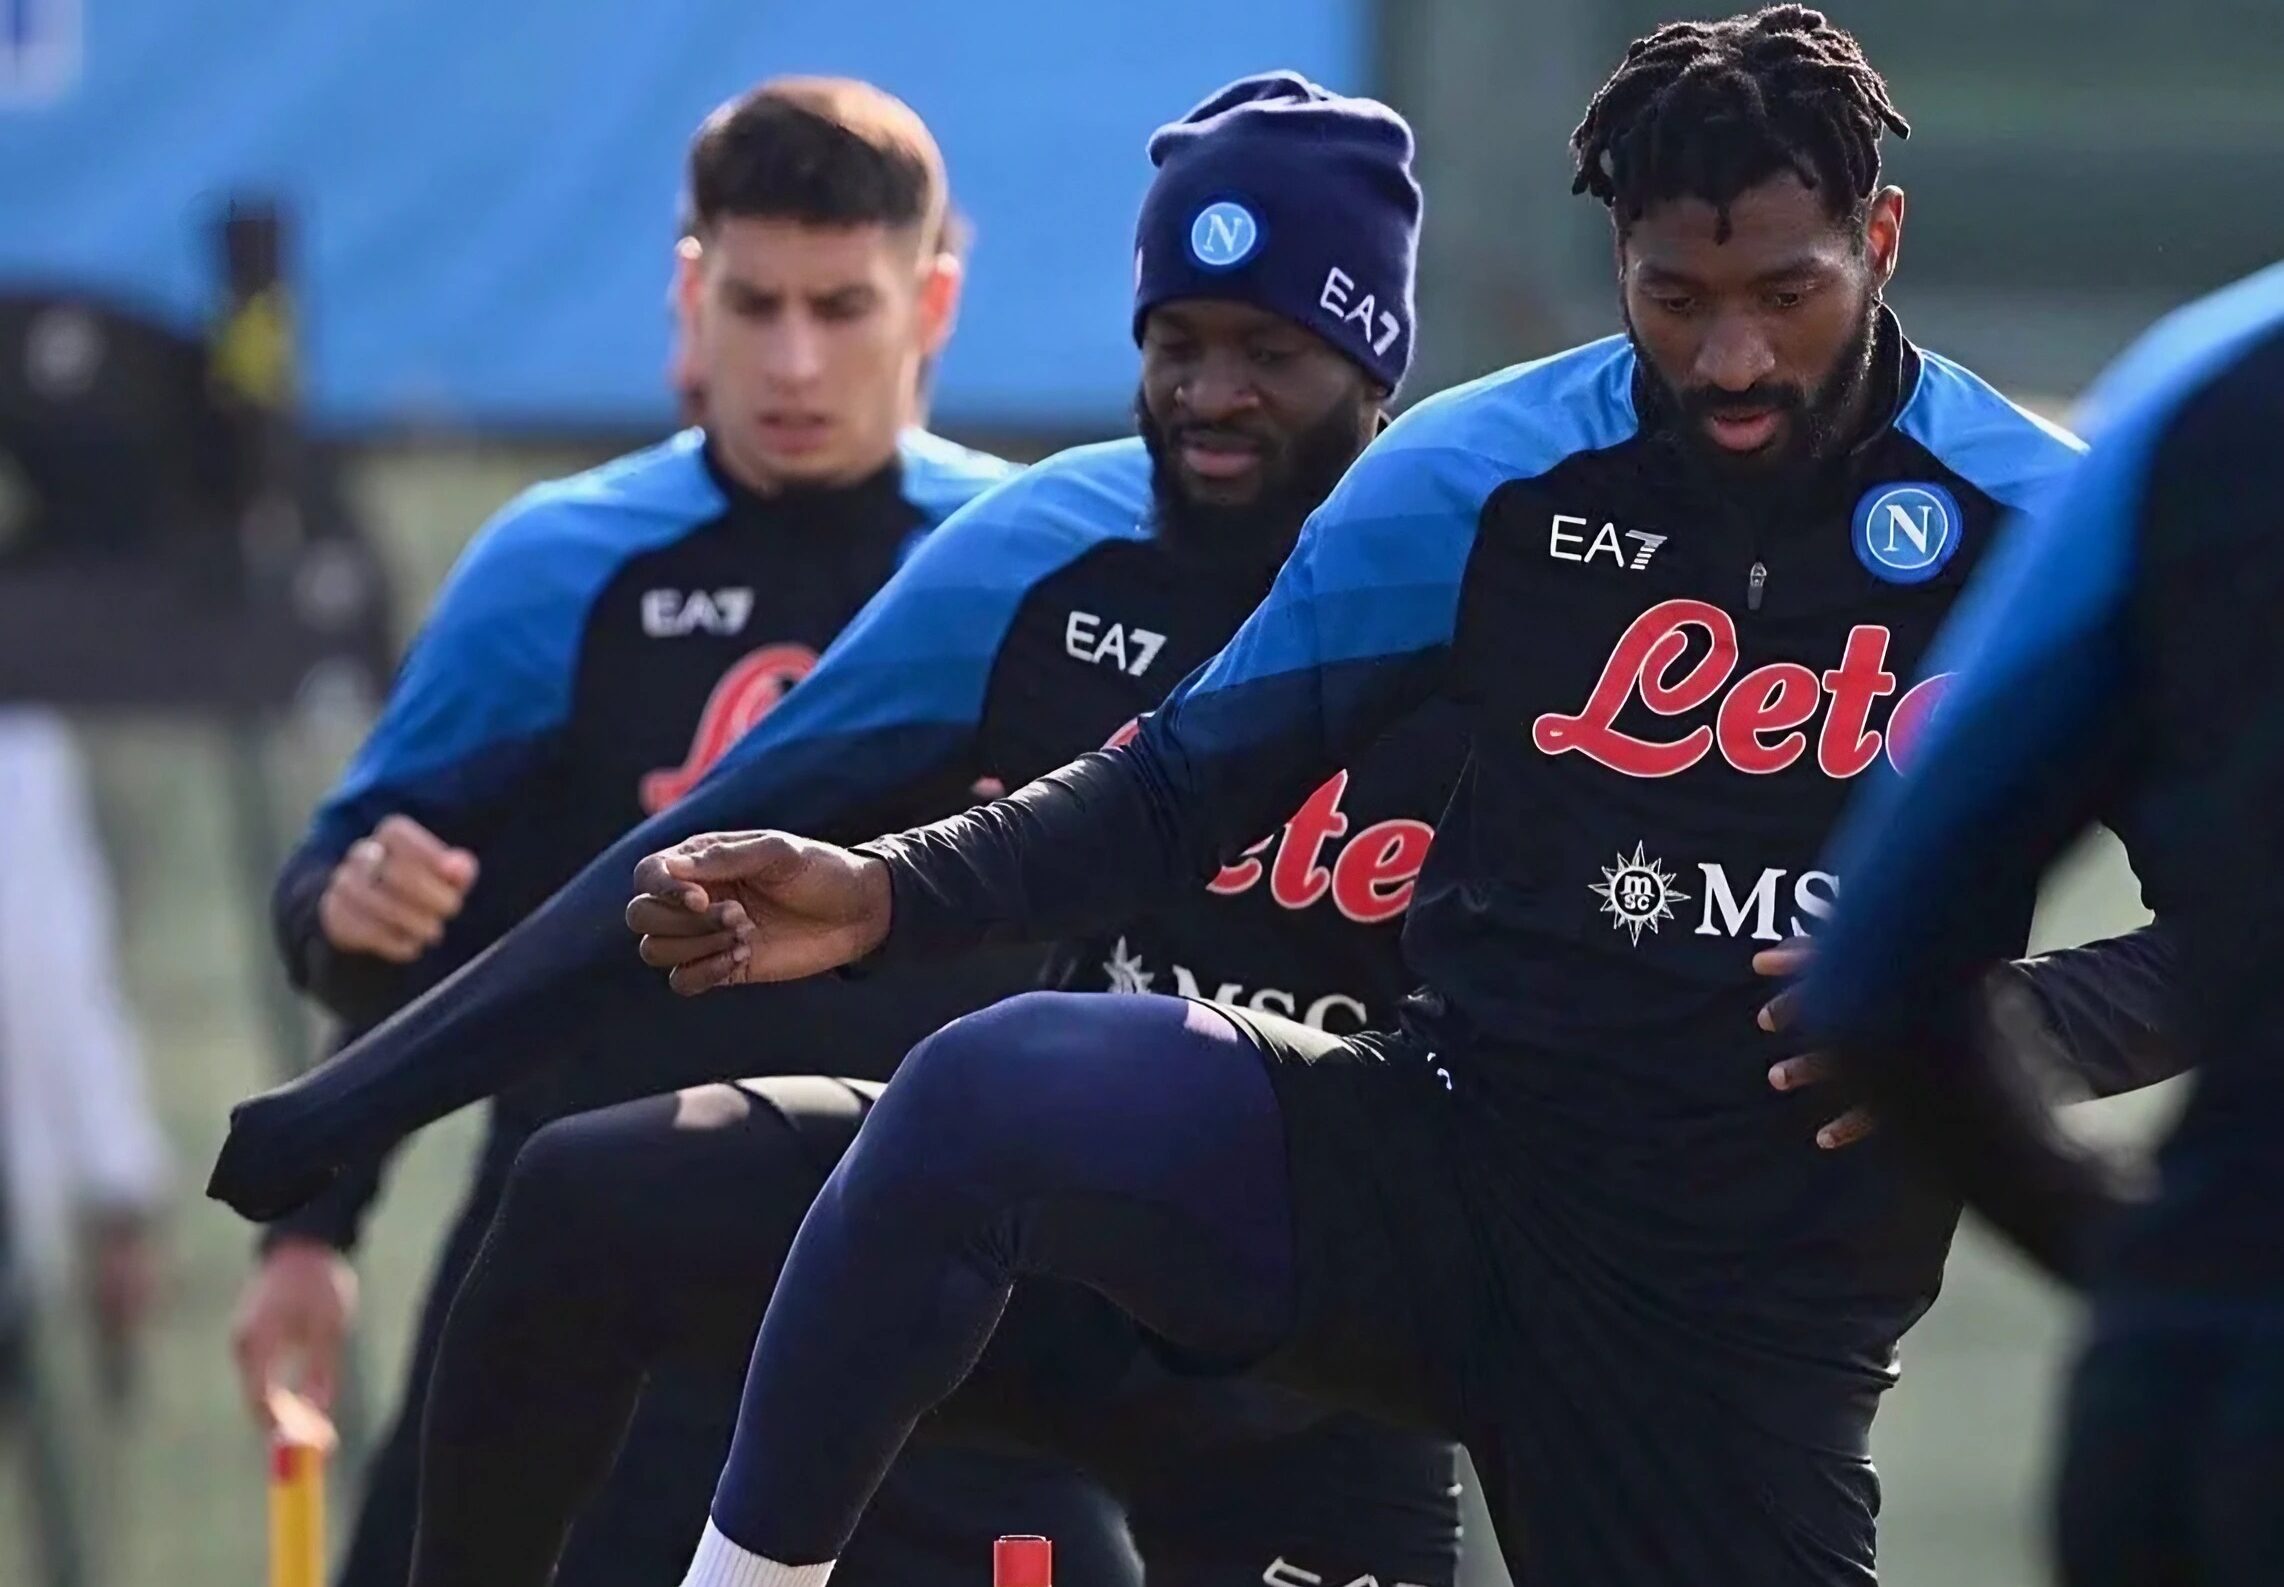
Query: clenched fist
point(394, 891)
point(733, 908)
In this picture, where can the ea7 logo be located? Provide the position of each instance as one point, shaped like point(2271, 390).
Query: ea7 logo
point(1282, 1572)
point(1130, 650)
point(670, 614)
point(1563, 542)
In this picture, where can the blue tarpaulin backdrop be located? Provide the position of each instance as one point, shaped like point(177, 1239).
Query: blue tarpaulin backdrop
point(485, 189)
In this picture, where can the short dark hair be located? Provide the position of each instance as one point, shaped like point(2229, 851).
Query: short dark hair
point(828, 151)
point(1706, 110)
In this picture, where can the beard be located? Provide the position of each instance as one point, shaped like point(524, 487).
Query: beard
point(1822, 419)
point(1250, 539)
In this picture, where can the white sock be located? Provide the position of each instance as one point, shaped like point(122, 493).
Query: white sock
point(721, 1563)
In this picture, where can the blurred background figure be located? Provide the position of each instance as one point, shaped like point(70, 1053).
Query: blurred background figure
point(83, 1166)
point(293, 295)
point(86, 1165)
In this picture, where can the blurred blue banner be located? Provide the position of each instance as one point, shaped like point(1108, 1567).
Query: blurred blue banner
point(485, 192)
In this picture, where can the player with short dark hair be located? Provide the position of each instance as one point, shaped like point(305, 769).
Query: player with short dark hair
point(1681, 581)
point(2123, 651)
point(1560, 1213)
point(599, 645)
point(1036, 625)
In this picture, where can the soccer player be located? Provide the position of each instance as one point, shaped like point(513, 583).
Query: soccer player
point(1679, 581)
point(599, 645)
point(1034, 626)
point(1659, 1241)
point(2110, 657)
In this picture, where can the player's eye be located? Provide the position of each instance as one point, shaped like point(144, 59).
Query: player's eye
point(1270, 357)
point(1674, 303)
point(1786, 300)
point(850, 306)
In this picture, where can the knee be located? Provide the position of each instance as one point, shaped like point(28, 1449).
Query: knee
point(984, 1065)
point(560, 1195)
point(977, 1098)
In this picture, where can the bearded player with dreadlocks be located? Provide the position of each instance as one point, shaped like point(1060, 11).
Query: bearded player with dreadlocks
point(1680, 582)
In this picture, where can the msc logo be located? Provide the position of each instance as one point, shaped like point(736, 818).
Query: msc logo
point(1334, 1011)
point(1905, 533)
point(1224, 235)
point(1637, 894)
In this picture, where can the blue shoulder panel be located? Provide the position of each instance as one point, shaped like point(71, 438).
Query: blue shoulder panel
point(490, 672)
point(1378, 569)
point(922, 650)
point(941, 477)
point(2003, 450)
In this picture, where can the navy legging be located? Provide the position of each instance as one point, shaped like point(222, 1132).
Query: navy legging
point(1132, 1144)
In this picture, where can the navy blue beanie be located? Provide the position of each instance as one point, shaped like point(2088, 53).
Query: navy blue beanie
point(1281, 194)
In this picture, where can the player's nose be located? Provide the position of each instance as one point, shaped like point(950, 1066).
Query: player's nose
point(795, 351)
point(1217, 387)
point(1735, 354)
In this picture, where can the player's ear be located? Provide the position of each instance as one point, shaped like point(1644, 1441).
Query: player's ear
point(1883, 235)
point(941, 277)
point(689, 267)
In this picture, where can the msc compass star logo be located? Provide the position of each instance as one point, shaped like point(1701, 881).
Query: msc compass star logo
point(1126, 970)
point(1637, 893)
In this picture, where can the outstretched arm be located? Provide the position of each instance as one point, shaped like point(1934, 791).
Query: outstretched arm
point(1357, 630)
point(889, 713)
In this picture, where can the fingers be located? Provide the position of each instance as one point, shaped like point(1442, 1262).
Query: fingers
point(1813, 1069)
point(354, 923)
point(1776, 1014)
point(253, 1345)
point(762, 857)
point(703, 975)
point(1806, 1070)
point(421, 868)
point(669, 953)
point(1849, 1128)
point(648, 916)
point(662, 876)
point(394, 891)
point(1788, 957)
point(321, 1370)
point(391, 902)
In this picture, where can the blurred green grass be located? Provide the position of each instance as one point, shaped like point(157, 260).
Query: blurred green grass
point(177, 1496)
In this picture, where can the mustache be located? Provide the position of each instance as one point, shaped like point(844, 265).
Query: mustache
point(1220, 435)
point(1711, 402)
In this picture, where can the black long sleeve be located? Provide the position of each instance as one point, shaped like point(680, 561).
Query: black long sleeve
point(2099, 1016)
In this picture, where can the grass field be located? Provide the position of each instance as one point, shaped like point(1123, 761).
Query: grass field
point(175, 1499)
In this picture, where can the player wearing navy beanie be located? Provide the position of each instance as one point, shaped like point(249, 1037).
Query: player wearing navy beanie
point(1283, 194)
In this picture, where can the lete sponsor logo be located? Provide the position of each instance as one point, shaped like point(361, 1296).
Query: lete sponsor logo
point(746, 693)
point(1758, 725)
point(1369, 878)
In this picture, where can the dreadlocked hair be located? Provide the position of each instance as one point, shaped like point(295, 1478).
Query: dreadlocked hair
point(1708, 109)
